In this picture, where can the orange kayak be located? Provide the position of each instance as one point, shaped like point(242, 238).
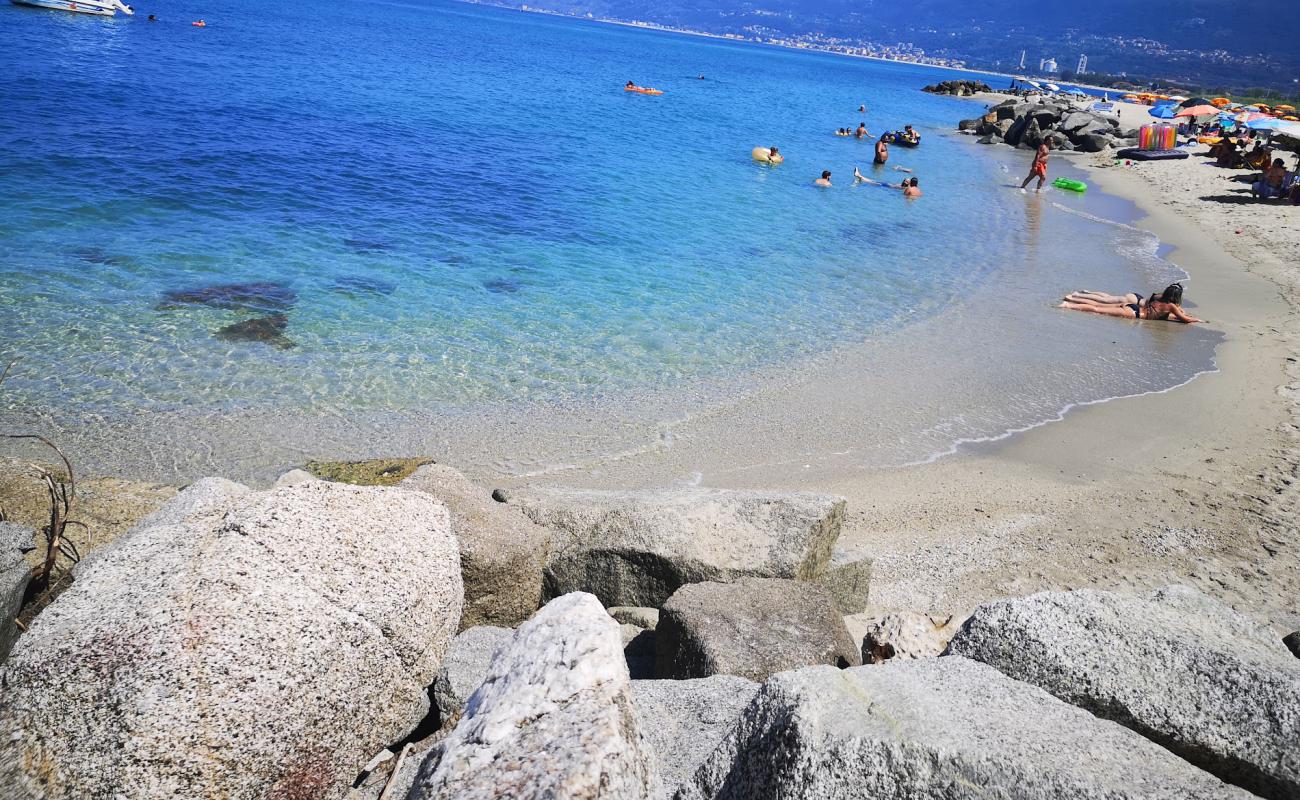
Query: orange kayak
point(642, 90)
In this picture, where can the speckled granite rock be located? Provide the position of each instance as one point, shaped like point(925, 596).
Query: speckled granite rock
point(502, 552)
point(554, 719)
point(1178, 667)
point(265, 651)
point(753, 628)
point(946, 728)
point(637, 548)
point(685, 720)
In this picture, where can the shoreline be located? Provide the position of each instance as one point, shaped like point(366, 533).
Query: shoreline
point(1191, 484)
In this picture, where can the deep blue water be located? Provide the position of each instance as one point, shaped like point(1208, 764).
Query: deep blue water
point(456, 204)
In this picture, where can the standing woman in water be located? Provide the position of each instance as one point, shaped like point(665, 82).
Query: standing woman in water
point(1132, 305)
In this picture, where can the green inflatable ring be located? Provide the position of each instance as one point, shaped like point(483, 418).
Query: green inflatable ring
point(1070, 184)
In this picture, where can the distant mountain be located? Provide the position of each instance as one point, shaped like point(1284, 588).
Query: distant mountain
point(1207, 42)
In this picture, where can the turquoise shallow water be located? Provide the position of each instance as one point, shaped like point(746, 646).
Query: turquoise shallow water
point(458, 206)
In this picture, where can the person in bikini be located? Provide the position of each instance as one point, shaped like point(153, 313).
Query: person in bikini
point(1132, 305)
point(1039, 168)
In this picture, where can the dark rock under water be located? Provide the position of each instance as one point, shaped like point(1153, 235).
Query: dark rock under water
point(267, 330)
point(367, 245)
point(355, 284)
point(256, 295)
point(501, 286)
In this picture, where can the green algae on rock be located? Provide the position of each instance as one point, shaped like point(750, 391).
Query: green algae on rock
point(372, 472)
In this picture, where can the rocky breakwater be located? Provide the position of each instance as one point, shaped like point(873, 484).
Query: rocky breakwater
point(284, 644)
point(1026, 124)
point(958, 88)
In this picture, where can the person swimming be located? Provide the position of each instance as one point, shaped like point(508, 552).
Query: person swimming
point(1132, 305)
point(882, 150)
point(825, 179)
point(911, 188)
point(862, 131)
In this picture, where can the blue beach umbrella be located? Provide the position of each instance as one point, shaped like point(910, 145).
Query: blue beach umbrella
point(1166, 111)
point(1269, 124)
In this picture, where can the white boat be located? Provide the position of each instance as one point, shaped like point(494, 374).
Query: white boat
point(103, 8)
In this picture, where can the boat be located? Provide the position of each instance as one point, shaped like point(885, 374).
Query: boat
point(102, 8)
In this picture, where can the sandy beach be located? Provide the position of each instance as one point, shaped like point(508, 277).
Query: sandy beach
point(1196, 485)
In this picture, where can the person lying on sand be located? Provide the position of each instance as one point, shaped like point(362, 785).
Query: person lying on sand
point(1132, 305)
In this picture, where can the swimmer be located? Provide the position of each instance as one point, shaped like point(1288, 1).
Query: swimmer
point(911, 188)
point(911, 135)
point(631, 85)
point(902, 169)
point(882, 150)
point(862, 109)
point(825, 179)
point(152, 18)
point(1132, 305)
point(862, 131)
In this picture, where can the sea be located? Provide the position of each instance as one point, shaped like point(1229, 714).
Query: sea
point(355, 227)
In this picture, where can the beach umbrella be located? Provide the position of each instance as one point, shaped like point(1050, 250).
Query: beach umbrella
point(1220, 102)
point(1165, 111)
point(1053, 87)
point(1203, 110)
point(1250, 116)
point(1265, 124)
point(1284, 107)
point(1195, 101)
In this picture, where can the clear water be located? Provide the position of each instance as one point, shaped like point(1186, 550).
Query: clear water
point(462, 209)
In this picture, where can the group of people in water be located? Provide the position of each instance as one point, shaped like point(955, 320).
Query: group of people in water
point(1165, 305)
point(911, 187)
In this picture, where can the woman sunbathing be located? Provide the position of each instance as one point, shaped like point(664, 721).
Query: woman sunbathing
point(1132, 306)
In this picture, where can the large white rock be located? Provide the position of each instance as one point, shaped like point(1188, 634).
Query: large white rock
point(502, 552)
point(636, 548)
point(264, 651)
point(554, 719)
point(945, 728)
point(1180, 668)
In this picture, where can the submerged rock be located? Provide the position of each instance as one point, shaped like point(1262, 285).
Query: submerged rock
point(752, 628)
point(367, 245)
point(268, 650)
point(683, 721)
point(553, 719)
point(502, 552)
point(637, 548)
point(355, 284)
point(1180, 668)
point(266, 330)
point(372, 472)
point(501, 285)
point(257, 296)
point(935, 728)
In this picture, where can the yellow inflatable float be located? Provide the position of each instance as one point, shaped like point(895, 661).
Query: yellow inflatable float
point(767, 155)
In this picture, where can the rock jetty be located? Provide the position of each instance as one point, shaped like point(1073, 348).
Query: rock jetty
point(958, 88)
point(430, 640)
point(1026, 123)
